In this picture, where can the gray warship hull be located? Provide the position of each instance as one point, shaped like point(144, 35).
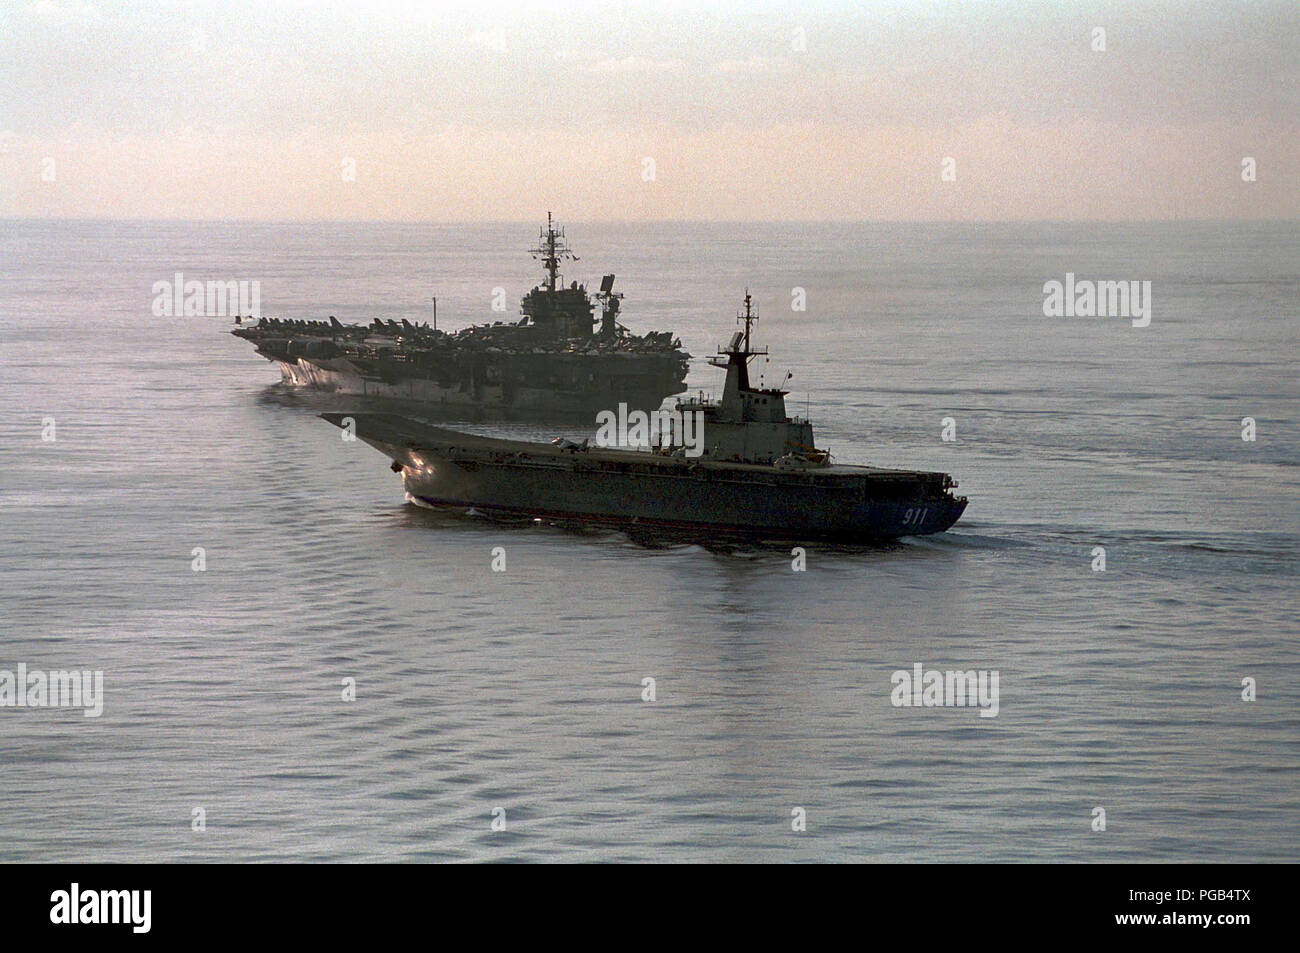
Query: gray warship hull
point(341, 376)
point(630, 488)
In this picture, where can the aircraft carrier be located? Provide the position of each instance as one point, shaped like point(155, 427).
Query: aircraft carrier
point(757, 472)
point(557, 358)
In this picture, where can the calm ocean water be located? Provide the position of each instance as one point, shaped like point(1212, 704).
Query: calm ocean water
point(522, 690)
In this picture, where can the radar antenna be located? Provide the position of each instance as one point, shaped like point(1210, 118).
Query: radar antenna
point(609, 304)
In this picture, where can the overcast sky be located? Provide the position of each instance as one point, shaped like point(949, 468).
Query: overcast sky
point(454, 112)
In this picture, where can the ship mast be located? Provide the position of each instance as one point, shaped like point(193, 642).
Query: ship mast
point(749, 318)
point(551, 249)
point(738, 352)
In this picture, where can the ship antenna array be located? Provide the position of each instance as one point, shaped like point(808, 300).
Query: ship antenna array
point(552, 248)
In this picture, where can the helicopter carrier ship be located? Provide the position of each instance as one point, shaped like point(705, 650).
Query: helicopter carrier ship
point(559, 357)
point(757, 473)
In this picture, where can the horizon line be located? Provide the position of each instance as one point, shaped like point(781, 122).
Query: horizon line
point(644, 221)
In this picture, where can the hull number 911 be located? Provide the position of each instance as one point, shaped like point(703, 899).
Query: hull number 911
point(914, 516)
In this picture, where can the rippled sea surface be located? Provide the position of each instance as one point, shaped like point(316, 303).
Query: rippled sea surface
point(522, 690)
